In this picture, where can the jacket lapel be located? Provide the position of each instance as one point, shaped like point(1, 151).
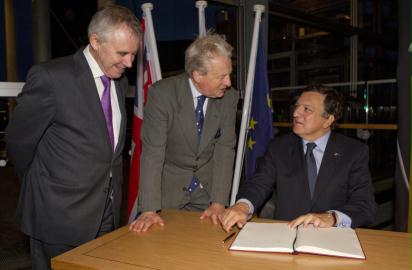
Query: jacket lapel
point(186, 113)
point(211, 123)
point(330, 160)
point(87, 86)
point(120, 99)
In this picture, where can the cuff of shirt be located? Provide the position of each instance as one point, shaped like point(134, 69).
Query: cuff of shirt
point(343, 220)
point(251, 207)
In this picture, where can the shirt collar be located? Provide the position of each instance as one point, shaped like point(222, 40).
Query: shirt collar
point(96, 70)
point(195, 92)
point(320, 142)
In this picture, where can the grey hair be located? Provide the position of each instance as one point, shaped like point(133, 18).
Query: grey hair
point(199, 53)
point(106, 20)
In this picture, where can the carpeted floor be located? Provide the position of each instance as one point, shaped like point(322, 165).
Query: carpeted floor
point(15, 256)
point(14, 245)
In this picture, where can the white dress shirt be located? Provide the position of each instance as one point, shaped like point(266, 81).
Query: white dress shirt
point(97, 73)
point(195, 94)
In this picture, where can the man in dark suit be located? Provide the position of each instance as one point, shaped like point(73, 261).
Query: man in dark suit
point(189, 137)
point(66, 137)
point(318, 176)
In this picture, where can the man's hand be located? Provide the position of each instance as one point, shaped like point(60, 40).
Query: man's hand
point(236, 214)
point(213, 212)
point(324, 220)
point(144, 221)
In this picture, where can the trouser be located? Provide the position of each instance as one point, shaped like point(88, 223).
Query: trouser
point(41, 252)
point(198, 200)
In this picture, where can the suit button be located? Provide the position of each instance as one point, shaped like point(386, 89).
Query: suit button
point(197, 159)
point(184, 188)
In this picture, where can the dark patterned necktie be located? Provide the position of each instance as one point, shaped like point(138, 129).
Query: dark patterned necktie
point(311, 167)
point(107, 107)
point(194, 183)
point(199, 115)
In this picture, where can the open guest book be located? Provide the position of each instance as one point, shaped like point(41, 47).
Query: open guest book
point(278, 237)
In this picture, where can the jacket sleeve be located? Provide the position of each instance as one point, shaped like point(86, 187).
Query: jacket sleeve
point(263, 182)
point(360, 206)
point(30, 119)
point(224, 153)
point(154, 138)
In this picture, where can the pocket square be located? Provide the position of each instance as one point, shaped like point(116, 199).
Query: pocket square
point(218, 133)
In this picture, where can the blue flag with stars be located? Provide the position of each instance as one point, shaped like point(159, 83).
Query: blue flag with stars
point(260, 123)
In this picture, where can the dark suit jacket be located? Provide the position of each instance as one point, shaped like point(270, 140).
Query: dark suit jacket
point(171, 154)
point(59, 144)
point(343, 183)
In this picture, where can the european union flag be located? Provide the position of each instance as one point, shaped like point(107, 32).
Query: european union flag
point(260, 123)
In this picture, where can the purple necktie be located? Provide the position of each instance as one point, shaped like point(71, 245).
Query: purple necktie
point(107, 107)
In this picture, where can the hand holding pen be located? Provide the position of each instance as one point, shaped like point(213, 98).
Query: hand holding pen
point(228, 238)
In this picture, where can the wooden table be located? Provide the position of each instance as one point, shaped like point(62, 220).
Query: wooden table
point(186, 242)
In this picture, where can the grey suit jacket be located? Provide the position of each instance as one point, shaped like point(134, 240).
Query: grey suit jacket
point(59, 144)
point(171, 154)
point(343, 183)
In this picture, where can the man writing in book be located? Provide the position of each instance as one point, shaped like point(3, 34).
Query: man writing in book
point(318, 176)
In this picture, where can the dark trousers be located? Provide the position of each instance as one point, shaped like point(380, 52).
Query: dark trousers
point(41, 252)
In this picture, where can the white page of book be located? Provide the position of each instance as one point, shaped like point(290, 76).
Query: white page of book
point(329, 241)
point(269, 237)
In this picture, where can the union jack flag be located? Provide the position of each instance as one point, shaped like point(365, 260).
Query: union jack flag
point(144, 80)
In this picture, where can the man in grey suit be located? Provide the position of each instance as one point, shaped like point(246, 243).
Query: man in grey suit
point(318, 176)
point(66, 137)
point(189, 137)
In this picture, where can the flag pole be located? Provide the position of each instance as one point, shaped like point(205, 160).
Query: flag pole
point(201, 5)
point(410, 173)
point(409, 229)
point(157, 74)
point(259, 9)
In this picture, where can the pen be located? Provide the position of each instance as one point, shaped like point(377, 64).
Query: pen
point(228, 238)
